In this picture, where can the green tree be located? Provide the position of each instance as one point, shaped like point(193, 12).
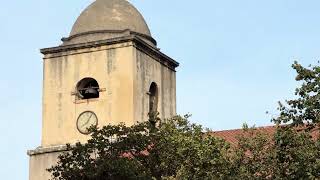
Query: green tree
point(172, 149)
point(175, 149)
point(305, 109)
point(292, 152)
point(287, 154)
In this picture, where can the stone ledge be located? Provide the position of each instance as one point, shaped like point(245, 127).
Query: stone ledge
point(64, 48)
point(45, 150)
point(125, 31)
point(139, 43)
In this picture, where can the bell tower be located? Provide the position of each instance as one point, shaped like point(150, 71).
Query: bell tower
point(109, 70)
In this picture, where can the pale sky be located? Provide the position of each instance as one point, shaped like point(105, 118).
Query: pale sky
point(235, 60)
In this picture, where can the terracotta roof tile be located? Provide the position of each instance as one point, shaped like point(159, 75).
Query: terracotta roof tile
point(232, 135)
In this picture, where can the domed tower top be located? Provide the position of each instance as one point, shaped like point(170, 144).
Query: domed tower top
point(106, 19)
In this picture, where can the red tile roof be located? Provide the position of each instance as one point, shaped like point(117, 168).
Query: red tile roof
point(232, 135)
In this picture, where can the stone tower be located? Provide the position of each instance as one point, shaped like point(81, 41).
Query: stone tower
point(109, 70)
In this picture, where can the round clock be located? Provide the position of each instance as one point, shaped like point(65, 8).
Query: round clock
point(86, 120)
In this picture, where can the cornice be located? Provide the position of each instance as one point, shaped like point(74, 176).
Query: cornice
point(138, 43)
point(65, 39)
point(46, 150)
point(155, 54)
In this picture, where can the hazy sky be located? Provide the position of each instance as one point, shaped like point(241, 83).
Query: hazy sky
point(235, 60)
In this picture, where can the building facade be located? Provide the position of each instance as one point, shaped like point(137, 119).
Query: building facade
point(109, 70)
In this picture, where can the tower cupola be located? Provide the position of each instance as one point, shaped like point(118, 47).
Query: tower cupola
point(105, 19)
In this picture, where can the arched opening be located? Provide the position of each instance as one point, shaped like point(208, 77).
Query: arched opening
point(153, 98)
point(88, 88)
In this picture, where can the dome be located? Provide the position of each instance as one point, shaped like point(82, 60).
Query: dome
point(105, 19)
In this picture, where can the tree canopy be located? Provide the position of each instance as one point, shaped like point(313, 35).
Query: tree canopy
point(171, 149)
point(305, 109)
point(177, 149)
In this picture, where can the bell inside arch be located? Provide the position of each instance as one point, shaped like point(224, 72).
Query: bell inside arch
point(88, 88)
point(91, 93)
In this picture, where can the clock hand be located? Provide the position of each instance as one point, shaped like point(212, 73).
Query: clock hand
point(85, 123)
point(90, 117)
point(88, 120)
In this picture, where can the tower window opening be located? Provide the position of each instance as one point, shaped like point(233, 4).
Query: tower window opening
point(88, 88)
point(153, 98)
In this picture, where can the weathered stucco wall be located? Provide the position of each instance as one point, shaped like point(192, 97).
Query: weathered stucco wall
point(39, 164)
point(124, 71)
point(111, 66)
point(147, 70)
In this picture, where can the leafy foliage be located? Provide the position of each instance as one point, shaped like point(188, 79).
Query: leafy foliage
point(288, 154)
point(172, 149)
point(306, 108)
point(177, 149)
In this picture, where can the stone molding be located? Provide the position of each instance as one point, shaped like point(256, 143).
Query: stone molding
point(127, 31)
point(45, 150)
point(138, 43)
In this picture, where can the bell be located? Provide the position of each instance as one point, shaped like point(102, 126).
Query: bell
point(91, 93)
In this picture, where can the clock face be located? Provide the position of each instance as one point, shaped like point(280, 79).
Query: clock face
point(85, 121)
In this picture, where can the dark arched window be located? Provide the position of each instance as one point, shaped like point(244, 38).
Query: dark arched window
point(88, 88)
point(153, 98)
